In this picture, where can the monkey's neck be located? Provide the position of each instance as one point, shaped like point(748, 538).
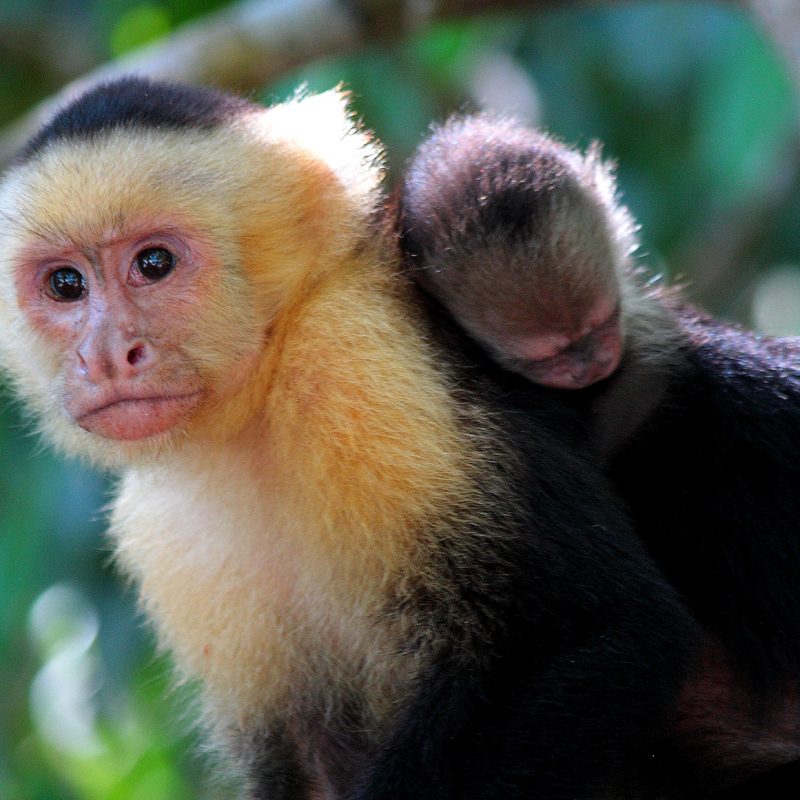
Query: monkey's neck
point(359, 409)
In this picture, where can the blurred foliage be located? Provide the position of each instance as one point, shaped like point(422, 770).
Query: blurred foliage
point(691, 101)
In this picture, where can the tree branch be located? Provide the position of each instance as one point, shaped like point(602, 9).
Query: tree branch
point(252, 42)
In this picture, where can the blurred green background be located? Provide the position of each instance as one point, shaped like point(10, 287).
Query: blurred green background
point(691, 99)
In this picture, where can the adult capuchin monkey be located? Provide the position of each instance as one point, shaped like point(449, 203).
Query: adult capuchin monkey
point(525, 243)
point(390, 579)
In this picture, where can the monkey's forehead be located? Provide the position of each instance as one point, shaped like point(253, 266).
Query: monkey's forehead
point(84, 183)
point(81, 185)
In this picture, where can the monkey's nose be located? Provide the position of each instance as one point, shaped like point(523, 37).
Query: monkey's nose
point(596, 357)
point(595, 370)
point(136, 354)
point(103, 359)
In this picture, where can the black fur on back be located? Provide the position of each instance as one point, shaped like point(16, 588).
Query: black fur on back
point(135, 102)
point(712, 480)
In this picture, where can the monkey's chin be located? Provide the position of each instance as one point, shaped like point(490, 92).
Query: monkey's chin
point(132, 419)
point(572, 373)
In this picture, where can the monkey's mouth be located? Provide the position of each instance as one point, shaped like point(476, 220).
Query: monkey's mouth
point(130, 418)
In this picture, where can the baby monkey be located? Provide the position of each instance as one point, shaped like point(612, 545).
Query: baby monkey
point(524, 242)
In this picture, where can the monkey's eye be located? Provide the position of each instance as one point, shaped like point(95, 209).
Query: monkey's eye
point(67, 284)
point(155, 263)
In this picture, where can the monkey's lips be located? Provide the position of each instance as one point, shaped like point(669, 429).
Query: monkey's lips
point(127, 418)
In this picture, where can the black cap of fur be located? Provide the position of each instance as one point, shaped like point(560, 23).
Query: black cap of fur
point(135, 102)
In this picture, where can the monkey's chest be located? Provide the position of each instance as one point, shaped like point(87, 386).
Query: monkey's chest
point(253, 612)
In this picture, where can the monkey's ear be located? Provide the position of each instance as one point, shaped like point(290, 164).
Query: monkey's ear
point(315, 184)
point(322, 126)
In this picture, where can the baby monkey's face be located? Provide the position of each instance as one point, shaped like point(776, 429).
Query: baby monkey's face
point(552, 341)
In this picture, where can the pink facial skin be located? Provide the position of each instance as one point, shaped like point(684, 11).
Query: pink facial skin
point(120, 332)
point(570, 356)
point(583, 362)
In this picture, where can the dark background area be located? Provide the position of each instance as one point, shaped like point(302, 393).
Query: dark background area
point(692, 101)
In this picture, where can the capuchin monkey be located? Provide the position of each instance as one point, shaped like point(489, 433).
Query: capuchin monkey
point(393, 571)
point(524, 242)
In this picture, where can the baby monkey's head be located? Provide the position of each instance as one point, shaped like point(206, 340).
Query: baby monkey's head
point(523, 241)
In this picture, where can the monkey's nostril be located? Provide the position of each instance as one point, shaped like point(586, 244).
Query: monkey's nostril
point(135, 355)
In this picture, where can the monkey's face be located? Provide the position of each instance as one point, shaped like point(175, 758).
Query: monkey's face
point(127, 313)
point(145, 270)
point(120, 312)
point(553, 341)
